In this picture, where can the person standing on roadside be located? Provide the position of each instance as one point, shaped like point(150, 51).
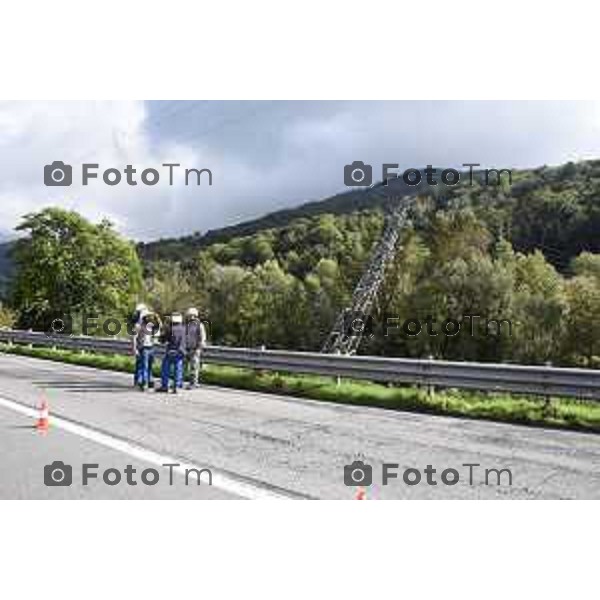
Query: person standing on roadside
point(146, 331)
point(195, 340)
point(172, 365)
point(136, 319)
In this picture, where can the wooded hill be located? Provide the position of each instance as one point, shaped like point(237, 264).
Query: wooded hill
point(556, 210)
point(526, 251)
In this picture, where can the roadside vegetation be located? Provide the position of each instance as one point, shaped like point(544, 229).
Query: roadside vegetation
point(555, 412)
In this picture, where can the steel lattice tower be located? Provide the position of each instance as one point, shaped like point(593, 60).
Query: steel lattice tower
point(348, 329)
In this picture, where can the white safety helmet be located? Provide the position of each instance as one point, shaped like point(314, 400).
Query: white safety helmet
point(192, 312)
point(176, 318)
point(140, 307)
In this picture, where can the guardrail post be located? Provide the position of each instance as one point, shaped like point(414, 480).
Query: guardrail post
point(547, 398)
point(338, 379)
point(261, 372)
point(430, 388)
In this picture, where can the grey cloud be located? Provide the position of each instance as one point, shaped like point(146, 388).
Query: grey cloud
point(268, 155)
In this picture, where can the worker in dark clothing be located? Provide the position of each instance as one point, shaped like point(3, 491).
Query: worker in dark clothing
point(174, 339)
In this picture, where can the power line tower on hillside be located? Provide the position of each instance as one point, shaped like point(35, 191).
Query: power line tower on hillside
point(351, 322)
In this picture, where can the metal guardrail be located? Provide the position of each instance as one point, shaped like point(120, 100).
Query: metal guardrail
point(520, 379)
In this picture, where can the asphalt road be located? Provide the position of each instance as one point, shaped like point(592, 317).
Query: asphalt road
point(266, 446)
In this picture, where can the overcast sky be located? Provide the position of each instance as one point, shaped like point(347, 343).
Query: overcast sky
point(263, 155)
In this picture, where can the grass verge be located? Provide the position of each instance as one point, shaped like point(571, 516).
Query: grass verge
point(560, 412)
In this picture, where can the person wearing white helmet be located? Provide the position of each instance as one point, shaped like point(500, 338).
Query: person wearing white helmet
point(136, 318)
point(146, 331)
point(174, 338)
point(195, 340)
point(137, 313)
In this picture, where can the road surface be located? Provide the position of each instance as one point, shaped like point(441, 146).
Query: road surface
point(266, 446)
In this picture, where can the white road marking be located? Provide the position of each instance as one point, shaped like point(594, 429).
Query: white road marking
point(223, 482)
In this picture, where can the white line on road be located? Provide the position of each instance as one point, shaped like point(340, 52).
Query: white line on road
point(219, 480)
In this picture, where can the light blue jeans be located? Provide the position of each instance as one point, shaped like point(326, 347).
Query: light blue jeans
point(144, 360)
point(173, 361)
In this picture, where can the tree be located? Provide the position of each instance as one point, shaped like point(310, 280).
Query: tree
point(540, 305)
point(68, 265)
point(257, 250)
point(587, 264)
point(169, 288)
point(583, 320)
point(457, 279)
point(228, 291)
point(272, 307)
point(7, 316)
point(458, 234)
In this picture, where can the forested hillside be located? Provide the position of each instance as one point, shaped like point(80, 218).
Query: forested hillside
point(527, 252)
point(179, 249)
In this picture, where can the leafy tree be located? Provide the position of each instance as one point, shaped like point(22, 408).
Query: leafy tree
point(258, 250)
point(457, 234)
point(587, 264)
point(228, 289)
point(583, 320)
point(8, 317)
point(540, 308)
point(169, 288)
point(66, 264)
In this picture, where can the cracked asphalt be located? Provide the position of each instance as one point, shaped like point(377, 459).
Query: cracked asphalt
point(297, 448)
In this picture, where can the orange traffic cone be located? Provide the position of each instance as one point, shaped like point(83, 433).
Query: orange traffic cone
point(43, 422)
point(361, 493)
